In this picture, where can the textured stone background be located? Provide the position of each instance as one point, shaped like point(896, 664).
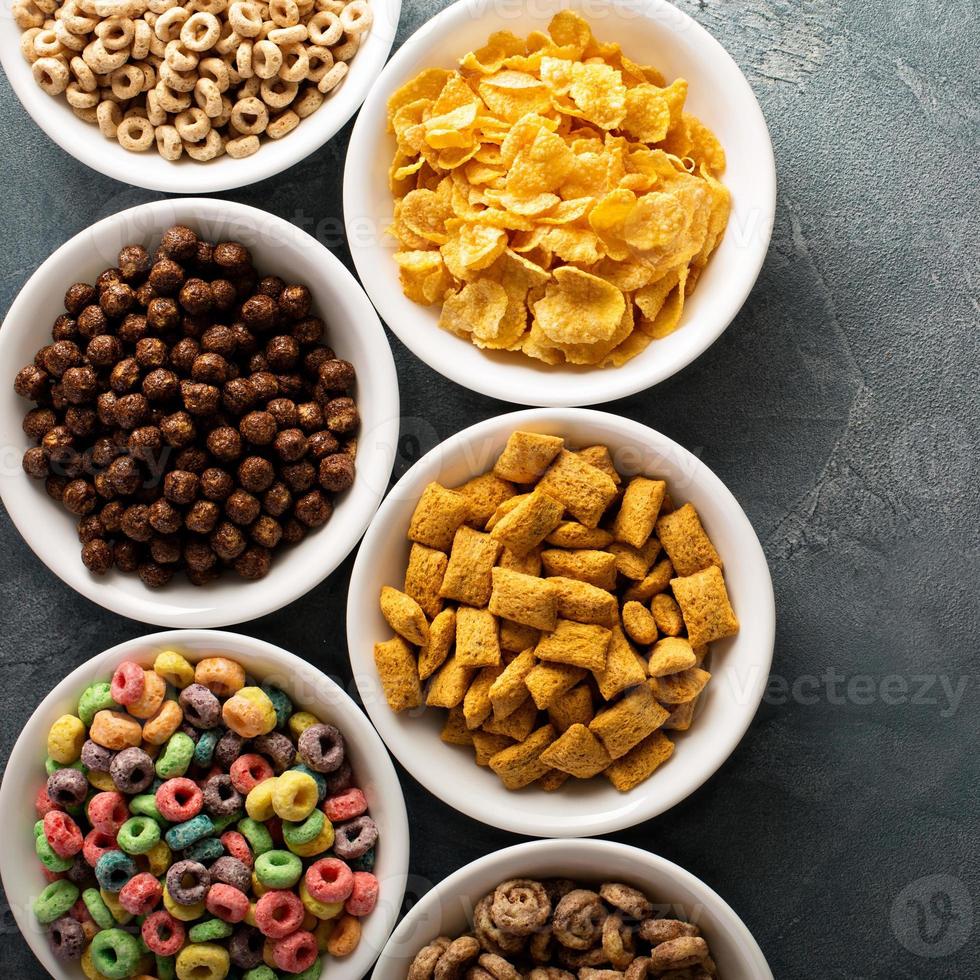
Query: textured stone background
point(840, 407)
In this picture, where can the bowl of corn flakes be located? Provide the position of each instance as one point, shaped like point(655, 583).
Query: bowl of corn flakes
point(561, 622)
point(559, 206)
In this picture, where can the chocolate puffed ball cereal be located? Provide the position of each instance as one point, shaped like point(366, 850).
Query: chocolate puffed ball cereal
point(188, 413)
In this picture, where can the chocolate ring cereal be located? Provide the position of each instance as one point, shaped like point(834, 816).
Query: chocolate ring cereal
point(629, 900)
point(520, 906)
point(578, 919)
point(455, 957)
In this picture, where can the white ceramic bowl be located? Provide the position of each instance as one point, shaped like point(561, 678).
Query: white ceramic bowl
point(310, 690)
point(447, 909)
point(86, 143)
point(739, 664)
point(352, 328)
point(650, 31)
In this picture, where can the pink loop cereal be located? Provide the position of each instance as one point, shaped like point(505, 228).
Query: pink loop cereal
point(277, 914)
point(127, 684)
point(206, 832)
point(363, 896)
point(247, 771)
point(179, 799)
point(329, 880)
point(345, 806)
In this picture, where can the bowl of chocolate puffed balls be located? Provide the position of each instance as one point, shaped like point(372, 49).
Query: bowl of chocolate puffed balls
point(201, 410)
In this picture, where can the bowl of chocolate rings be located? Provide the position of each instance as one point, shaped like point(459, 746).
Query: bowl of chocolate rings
point(200, 411)
point(197, 97)
point(561, 909)
point(195, 804)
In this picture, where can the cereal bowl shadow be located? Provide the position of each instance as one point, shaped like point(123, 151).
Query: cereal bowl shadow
point(307, 687)
point(448, 908)
point(352, 327)
point(740, 664)
point(650, 31)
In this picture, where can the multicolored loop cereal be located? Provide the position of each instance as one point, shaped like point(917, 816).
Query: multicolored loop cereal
point(208, 828)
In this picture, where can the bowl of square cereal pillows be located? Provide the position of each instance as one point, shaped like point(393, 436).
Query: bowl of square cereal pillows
point(201, 411)
point(560, 204)
point(194, 98)
point(557, 909)
point(194, 803)
point(561, 622)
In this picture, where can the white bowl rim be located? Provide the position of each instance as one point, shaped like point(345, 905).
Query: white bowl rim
point(86, 144)
point(556, 848)
point(395, 829)
point(483, 809)
point(269, 594)
point(562, 386)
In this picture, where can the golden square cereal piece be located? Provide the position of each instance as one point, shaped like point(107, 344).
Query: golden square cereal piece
point(670, 655)
point(487, 745)
point(515, 637)
point(517, 725)
point(639, 623)
point(578, 752)
point(504, 509)
point(485, 493)
point(667, 614)
point(437, 517)
point(585, 603)
point(656, 581)
point(585, 490)
point(449, 686)
point(623, 670)
point(571, 534)
point(454, 731)
point(578, 644)
point(628, 721)
point(681, 716)
point(549, 681)
point(442, 636)
point(678, 688)
point(638, 511)
point(423, 577)
point(529, 523)
point(574, 707)
point(528, 563)
point(526, 456)
point(598, 568)
point(476, 703)
point(552, 781)
point(395, 661)
point(524, 599)
point(634, 563)
point(404, 615)
point(477, 643)
point(685, 541)
point(467, 577)
point(705, 605)
point(509, 690)
point(640, 763)
point(520, 765)
point(601, 459)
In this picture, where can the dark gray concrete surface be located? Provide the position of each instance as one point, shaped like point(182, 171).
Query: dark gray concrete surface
point(841, 407)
